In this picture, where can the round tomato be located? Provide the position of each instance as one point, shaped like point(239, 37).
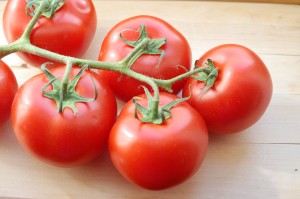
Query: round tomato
point(69, 32)
point(158, 156)
point(64, 139)
point(8, 89)
point(240, 94)
point(176, 60)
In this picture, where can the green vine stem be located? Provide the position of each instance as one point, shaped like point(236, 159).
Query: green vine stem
point(26, 35)
point(167, 83)
point(65, 80)
point(23, 44)
point(148, 80)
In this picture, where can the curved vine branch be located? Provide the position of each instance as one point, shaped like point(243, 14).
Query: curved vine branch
point(23, 44)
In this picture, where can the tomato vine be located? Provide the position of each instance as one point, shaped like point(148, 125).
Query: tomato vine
point(144, 45)
point(153, 131)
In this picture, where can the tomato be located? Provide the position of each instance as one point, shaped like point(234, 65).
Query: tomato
point(158, 156)
point(176, 61)
point(241, 92)
point(8, 89)
point(69, 32)
point(64, 139)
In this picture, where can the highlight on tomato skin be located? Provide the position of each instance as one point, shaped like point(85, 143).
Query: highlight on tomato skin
point(64, 139)
point(69, 32)
point(8, 89)
point(240, 95)
point(160, 156)
point(176, 60)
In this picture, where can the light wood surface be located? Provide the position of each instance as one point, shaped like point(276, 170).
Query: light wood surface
point(263, 162)
point(260, 1)
point(264, 1)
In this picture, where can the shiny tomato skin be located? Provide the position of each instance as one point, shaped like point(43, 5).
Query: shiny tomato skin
point(158, 156)
point(69, 32)
point(64, 139)
point(177, 58)
point(8, 89)
point(240, 95)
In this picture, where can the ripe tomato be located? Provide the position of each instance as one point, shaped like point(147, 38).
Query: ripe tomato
point(177, 52)
point(158, 156)
point(8, 89)
point(64, 139)
point(68, 32)
point(241, 92)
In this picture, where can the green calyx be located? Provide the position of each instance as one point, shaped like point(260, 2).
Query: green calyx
point(152, 48)
point(49, 8)
point(154, 113)
point(63, 92)
point(208, 75)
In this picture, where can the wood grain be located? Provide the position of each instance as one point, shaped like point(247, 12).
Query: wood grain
point(247, 1)
point(262, 162)
point(263, 1)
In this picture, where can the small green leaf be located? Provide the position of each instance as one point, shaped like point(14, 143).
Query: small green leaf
point(174, 102)
point(49, 11)
point(55, 82)
point(202, 76)
point(208, 75)
point(153, 47)
point(210, 63)
point(143, 34)
point(148, 114)
point(139, 108)
point(71, 97)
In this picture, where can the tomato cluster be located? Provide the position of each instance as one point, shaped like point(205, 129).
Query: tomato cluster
point(153, 156)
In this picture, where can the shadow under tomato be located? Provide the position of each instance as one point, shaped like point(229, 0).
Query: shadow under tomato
point(7, 137)
point(232, 169)
point(101, 177)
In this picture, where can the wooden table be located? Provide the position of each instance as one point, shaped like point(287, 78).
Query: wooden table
point(263, 162)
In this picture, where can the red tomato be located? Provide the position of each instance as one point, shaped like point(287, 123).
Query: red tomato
point(8, 89)
point(158, 156)
point(240, 95)
point(64, 139)
point(69, 32)
point(177, 52)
